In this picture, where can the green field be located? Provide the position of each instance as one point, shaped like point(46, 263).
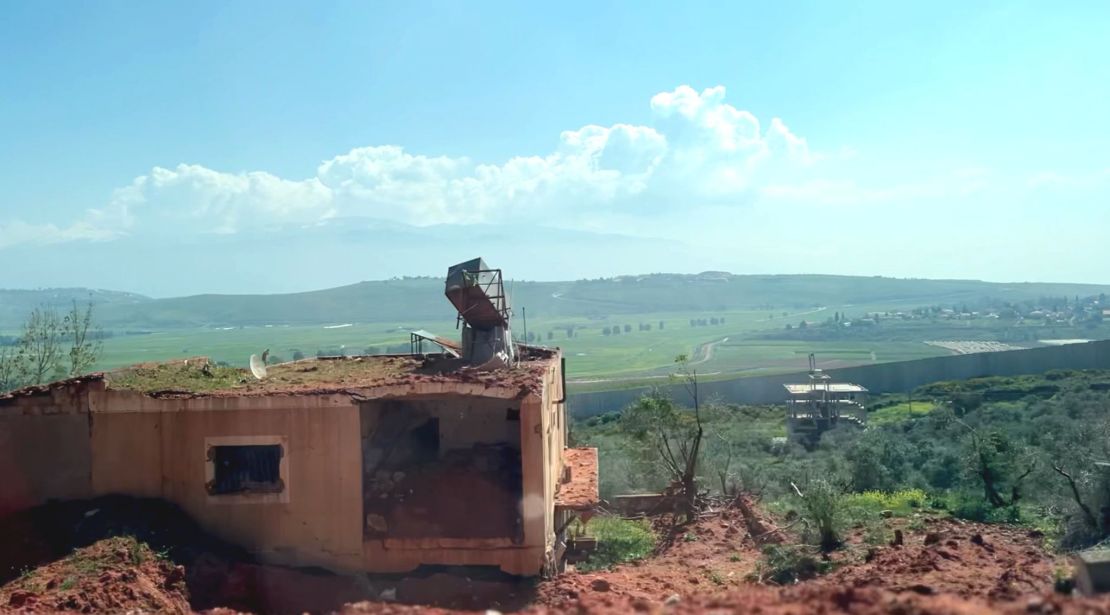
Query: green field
point(235, 345)
point(592, 357)
point(590, 353)
point(751, 324)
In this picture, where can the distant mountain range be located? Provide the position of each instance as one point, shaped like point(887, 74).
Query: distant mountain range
point(331, 254)
point(421, 299)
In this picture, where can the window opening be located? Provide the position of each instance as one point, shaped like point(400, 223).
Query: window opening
point(253, 468)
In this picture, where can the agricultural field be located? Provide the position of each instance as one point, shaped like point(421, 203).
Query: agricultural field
point(716, 350)
point(614, 331)
point(235, 344)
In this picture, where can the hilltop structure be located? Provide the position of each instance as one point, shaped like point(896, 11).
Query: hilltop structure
point(372, 463)
point(817, 406)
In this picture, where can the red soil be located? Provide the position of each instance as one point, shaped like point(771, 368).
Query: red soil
point(113, 575)
point(580, 492)
point(964, 568)
point(947, 566)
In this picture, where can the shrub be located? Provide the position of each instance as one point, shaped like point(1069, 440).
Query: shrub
point(618, 541)
point(900, 503)
point(821, 508)
point(975, 508)
point(785, 564)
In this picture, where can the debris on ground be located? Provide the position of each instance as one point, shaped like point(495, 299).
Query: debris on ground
point(126, 554)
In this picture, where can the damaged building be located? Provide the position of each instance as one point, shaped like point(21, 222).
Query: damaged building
point(374, 463)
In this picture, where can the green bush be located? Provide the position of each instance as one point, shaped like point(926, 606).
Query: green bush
point(618, 541)
point(785, 564)
point(900, 503)
point(969, 507)
point(821, 508)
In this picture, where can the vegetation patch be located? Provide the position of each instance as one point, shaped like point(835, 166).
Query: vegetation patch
point(195, 376)
point(900, 503)
point(785, 564)
point(1010, 450)
point(618, 541)
point(896, 413)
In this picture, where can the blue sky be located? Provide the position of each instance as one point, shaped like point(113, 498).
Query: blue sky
point(930, 139)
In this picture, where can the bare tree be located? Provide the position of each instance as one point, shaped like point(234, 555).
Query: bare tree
point(672, 437)
point(724, 466)
point(83, 351)
point(689, 378)
point(734, 475)
point(994, 459)
point(10, 372)
point(39, 356)
point(1088, 515)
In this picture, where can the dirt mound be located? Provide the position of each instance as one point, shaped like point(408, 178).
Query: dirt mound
point(56, 544)
point(964, 559)
point(93, 557)
point(114, 575)
point(705, 558)
point(48, 556)
point(46, 534)
point(949, 566)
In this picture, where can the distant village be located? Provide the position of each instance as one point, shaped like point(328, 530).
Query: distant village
point(1087, 312)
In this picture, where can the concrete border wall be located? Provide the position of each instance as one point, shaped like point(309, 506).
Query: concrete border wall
point(894, 377)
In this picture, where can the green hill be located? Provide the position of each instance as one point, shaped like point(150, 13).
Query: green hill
point(421, 299)
point(16, 304)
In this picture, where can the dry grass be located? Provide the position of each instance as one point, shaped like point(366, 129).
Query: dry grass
point(197, 376)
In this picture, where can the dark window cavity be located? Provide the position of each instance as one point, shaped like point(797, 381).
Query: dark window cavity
point(252, 468)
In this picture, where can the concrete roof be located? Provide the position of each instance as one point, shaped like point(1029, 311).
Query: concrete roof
point(581, 491)
point(198, 377)
point(834, 387)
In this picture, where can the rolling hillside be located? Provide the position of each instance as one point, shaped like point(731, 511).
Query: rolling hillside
point(420, 299)
point(16, 304)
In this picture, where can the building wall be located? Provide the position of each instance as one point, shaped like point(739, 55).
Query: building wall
point(542, 437)
point(157, 448)
point(44, 449)
point(83, 441)
point(419, 498)
point(893, 377)
point(128, 453)
point(545, 430)
point(469, 421)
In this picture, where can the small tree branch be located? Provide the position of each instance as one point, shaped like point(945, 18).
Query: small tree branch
point(1088, 516)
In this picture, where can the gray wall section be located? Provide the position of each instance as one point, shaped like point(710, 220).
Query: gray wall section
point(43, 457)
point(895, 377)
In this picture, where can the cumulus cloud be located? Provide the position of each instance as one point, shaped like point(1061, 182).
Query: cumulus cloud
point(846, 192)
point(698, 148)
point(1053, 179)
point(90, 229)
point(198, 197)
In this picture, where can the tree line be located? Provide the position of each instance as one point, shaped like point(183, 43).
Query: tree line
point(1027, 449)
point(51, 345)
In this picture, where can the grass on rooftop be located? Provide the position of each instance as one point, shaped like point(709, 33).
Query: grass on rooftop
point(193, 376)
point(196, 377)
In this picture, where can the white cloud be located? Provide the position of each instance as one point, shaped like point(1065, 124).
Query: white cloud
point(847, 192)
point(18, 232)
point(197, 197)
point(698, 148)
point(1053, 179)
point(699, 151)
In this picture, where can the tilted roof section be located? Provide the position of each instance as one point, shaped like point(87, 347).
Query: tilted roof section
point(580, 491)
